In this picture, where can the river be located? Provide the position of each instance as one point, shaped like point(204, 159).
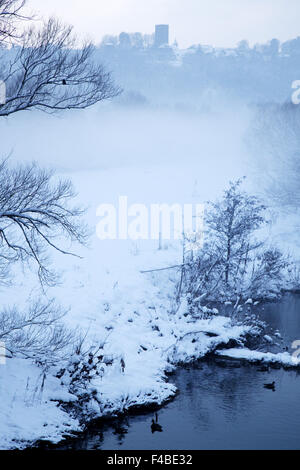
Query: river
point(220, 405)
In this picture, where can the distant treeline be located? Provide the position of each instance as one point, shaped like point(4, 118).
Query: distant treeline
point(201, 74)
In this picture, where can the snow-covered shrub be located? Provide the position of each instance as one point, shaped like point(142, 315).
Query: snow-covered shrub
point(86, 364)
point(232, 264)
point(268, 270)
point(81, 368)
point(37, 333)
point(230, 224)
point(294, 277)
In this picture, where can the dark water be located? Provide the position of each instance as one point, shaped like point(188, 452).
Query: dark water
point(220, 407)
point(284, 316)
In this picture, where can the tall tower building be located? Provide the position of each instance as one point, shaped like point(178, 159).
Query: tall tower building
point(161, 35)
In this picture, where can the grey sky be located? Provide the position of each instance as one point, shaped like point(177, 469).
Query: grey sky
point(216, 22)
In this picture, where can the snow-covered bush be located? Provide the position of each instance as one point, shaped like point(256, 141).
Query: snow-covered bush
point(78, 373)
point(233, 264)
point(268, 270)
point(37, 333)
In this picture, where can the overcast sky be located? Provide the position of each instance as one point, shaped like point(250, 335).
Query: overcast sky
point(216, 22)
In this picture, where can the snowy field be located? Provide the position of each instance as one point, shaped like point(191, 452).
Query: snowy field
point(151, 157)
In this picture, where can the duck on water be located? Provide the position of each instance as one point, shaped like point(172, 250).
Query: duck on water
point(270, 386)
point(155, 426)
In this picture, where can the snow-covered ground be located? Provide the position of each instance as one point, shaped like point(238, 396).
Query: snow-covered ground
point(150, 158)
point(28, 413)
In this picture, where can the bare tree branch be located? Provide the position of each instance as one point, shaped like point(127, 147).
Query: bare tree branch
point(10, 16)
point(47, 72)
point(34, 212)
point(35, 333)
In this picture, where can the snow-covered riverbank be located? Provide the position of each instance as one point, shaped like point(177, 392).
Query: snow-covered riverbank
point(285, 359)
point(150, 346)
point(151, 343)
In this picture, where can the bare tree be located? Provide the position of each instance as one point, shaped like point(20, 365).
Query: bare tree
point(10, 16)
point(43, 69)
point(34, 212)
point(275, 140)
point(46, 71)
